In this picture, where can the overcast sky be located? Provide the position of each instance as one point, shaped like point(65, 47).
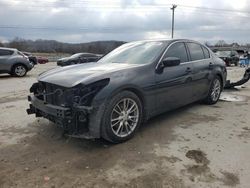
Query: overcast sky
point(78, 21)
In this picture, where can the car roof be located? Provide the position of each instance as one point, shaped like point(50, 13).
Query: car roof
point(85, 53)
point(167, 40)
point(3, 48)
point(170, 41)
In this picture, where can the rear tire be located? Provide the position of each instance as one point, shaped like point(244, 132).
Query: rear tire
point(19, 70)
point(214, 91)
point(122, 117)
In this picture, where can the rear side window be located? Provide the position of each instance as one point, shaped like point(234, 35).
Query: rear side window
point(6, 52)
point(83, 56)
point(92, 58)
point(206, 53)
point(195, 50)
point(177, 50)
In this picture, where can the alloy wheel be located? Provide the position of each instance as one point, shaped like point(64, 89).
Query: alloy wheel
point(124, 117)
point(215, 94)
point(20, 70)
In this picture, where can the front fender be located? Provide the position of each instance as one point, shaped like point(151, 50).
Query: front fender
point(101, 101)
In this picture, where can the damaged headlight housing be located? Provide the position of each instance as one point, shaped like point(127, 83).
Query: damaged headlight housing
point(84, 94)
point(80, 95)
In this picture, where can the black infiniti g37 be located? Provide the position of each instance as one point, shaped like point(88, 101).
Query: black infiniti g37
point(134, 82)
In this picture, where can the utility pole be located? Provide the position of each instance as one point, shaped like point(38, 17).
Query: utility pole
point(172, 8)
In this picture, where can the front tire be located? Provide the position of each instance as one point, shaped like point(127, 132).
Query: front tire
point(214, 91)
point(122, 117)
point(19, 70)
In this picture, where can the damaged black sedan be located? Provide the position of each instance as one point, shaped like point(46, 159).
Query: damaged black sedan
point(136, 81)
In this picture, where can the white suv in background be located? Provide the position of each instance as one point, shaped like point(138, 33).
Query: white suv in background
point(14, 62)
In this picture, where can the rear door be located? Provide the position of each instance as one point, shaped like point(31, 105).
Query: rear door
point(4, 56)
point(174, 84)
point(202, 69)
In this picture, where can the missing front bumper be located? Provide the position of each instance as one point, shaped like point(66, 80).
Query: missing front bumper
point(73, 120)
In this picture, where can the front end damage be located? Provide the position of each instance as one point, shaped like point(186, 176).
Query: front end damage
point(69, 108)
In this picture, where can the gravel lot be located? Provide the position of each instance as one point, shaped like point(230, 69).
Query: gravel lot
point(195, 146)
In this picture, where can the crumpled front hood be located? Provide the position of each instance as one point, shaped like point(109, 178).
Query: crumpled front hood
point(70, 76)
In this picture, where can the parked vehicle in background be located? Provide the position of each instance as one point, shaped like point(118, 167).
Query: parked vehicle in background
point(78, 59)
point(31, 57)
point(36, 59)
point(14, 62)
point(136, 81)
point(42, 60)
point(230, 57)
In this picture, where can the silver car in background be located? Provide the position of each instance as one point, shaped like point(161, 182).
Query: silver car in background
point(14, 62)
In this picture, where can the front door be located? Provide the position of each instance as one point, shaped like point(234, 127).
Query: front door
point(174, 84)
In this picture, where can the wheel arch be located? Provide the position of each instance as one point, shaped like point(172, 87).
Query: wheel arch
point(122, 93)
point(137, 91)
point(218, 71)
point(18, 63)
point(95, 124)
point(221, 78)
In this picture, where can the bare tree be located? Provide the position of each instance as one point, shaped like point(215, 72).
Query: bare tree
point(207, 43)
point(52, 46)
point(18, 43)
point(221, 43)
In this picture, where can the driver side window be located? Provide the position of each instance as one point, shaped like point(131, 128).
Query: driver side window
point(177, 50)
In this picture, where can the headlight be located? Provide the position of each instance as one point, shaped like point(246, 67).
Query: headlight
point(83, 95)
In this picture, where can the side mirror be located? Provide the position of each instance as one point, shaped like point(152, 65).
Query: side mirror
point(171, 61)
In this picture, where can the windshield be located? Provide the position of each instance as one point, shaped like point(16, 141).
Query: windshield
point(76, 55)
point(135, 53)
point(223, 53)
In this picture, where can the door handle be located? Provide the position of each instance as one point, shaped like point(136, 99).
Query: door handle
point(188, 70)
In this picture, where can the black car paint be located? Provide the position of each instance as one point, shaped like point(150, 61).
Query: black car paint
point(160, 89)
point(81, 58)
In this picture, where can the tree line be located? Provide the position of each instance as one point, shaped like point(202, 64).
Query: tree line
point(99, 47)
point(52, 46)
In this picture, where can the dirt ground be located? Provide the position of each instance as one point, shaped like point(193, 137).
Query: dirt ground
point(195, 146)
